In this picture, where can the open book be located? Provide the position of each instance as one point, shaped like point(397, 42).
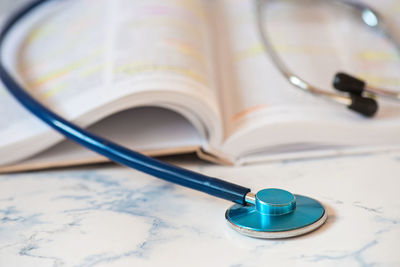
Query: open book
point(176, 76)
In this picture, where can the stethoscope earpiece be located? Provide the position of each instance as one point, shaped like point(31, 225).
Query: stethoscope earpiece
point(276, 213)
point(364, 105)
point(355, 99)
point(349, 84)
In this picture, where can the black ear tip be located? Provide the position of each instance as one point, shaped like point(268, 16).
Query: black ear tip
point(363, 105)
point(339, 79)
point(340, 76)
point(347, 83)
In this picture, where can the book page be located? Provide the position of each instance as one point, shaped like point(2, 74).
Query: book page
point(258, 102)
point(89, 59)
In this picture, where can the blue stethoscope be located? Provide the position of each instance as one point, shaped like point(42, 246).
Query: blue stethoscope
point(270, 213)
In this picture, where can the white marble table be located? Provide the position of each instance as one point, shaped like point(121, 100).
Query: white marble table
point(113, 216)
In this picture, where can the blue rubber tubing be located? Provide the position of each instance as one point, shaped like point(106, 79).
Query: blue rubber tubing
point(113, 151)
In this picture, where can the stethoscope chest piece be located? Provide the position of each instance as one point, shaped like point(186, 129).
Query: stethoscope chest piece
point(276, 213)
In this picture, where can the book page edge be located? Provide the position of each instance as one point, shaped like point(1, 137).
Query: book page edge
point(26, 166)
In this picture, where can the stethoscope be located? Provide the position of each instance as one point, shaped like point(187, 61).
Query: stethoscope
point(270, 213)
point(355, 93)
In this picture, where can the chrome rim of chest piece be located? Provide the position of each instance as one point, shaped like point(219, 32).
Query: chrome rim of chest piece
point(275, 213)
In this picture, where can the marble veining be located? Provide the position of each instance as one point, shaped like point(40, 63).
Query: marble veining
point(113, 216)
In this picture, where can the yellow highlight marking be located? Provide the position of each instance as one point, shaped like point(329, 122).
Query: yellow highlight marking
point(259, 49)
point(55, 74)
point(92, 71)
point(306, 49)
point(169, 22)
point(51, 76)
point(132, 65)
point(135, 68)
point(249, 52)
point(376, 55)
point(195, 7)
point(396, 7)
point(42, 32)
point(186, 49)
point(38, 33)
point(61, 87)
point(248, 111)
point(380, 80)
point(54, 91)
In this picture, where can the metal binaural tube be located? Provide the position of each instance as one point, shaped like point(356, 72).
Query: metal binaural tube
point(365, 105)
point(290, 76)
